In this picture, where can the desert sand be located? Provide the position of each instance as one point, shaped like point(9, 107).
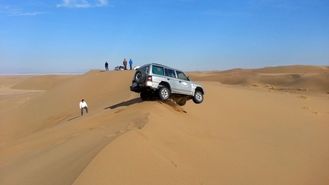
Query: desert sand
point(256, 126)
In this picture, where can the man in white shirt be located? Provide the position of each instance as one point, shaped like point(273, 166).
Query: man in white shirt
point(83, 105)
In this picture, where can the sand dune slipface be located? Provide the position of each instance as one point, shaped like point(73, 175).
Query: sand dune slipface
point(237, 136)
point(61, 102)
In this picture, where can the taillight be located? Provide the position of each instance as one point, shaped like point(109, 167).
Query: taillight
point(149, 78)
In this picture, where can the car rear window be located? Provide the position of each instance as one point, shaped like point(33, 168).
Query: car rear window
point(170, 73)
point(157, 70)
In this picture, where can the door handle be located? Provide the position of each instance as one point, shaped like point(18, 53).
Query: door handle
point(168, 78)
point(180, 81)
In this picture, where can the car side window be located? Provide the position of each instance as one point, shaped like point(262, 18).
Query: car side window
point(170, 73)
point(181, 75)
point(157, 70)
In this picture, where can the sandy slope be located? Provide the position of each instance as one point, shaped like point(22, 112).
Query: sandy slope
point(44, 139)
point(237, 136)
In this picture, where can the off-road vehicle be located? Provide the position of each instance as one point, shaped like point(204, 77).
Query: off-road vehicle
point(165, 82)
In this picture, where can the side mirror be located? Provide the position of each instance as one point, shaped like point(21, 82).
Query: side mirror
point(188, 78)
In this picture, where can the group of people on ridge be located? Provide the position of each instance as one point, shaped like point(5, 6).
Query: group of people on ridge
point(125, 65)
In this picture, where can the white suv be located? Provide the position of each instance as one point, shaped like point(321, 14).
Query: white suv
point(156, 79)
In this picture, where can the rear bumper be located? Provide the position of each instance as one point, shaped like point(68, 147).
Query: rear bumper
point(136, 89)
point(139, 88)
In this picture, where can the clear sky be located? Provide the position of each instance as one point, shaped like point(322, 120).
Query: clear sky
point(41, 36)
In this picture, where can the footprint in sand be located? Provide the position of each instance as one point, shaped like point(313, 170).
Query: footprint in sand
point(111, 135)
point(303, 97)
point(307, 108)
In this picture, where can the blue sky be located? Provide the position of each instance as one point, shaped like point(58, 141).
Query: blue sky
point(47, 36)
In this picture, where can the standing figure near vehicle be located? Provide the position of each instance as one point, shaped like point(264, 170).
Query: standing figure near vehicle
point(125, 64)
point(106, 66)
point(83, 105)
point(131, 64)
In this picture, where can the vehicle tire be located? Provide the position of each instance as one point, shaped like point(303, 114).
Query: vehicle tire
point(198, 97)
point(139, 77)
point(144, 95)
point(164, 93)
point(181, 101)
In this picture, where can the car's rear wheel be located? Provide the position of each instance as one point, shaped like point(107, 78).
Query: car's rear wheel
point(164, 93)
point(198, 97)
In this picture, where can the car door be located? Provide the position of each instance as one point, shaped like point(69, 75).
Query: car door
point(183, 84)
point(172, 80)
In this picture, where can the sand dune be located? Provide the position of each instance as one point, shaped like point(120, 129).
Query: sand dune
point(237, 136)
point(44, 82)
point(288, 78)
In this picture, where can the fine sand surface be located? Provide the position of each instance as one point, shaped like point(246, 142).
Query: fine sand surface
point(270, 128)
point(298, 78)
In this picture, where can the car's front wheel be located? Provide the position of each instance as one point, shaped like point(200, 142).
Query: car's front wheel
point(164, 93)
point(198, 97)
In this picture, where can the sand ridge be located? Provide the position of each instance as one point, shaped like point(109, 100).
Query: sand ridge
point(237, 136)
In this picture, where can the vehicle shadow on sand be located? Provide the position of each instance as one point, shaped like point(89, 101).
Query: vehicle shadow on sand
point(125, 103)
point(133, 101)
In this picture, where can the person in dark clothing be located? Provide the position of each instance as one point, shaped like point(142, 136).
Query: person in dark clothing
point(131, 64)
point(106, 66)
point(125, 64)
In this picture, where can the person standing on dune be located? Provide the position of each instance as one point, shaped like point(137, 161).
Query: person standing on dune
point(106, 66)
point(125, 64)
point(131, 64)
point(83, 105)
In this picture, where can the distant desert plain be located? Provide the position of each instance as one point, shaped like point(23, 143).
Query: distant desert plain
point(266, 126)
